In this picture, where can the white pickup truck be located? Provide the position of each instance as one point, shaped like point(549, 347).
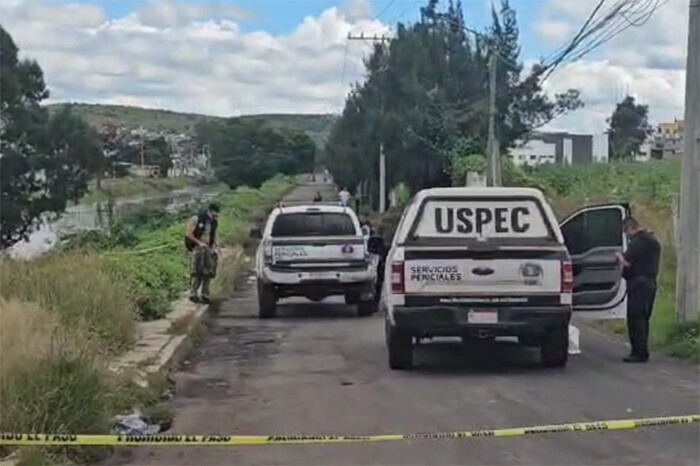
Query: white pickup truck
point(315, 251)
point(488, 262)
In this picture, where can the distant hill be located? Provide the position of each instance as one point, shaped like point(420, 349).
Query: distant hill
point(316, 126)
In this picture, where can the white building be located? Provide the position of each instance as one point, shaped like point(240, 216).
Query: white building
point(533, 152)
point(563, 148)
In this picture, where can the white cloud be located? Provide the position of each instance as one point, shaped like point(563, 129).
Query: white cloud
point(190, 56)
point(195, 57)
point(552, 30)
point(647, 61)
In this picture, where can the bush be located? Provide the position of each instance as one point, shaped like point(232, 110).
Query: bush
point(51, 377)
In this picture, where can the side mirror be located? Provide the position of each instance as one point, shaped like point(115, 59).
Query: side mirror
point(375, 245)
point(255, 233)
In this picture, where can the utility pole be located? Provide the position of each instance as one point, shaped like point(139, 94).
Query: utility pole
point(382, 156)
point(494, 172)
point(688, 251)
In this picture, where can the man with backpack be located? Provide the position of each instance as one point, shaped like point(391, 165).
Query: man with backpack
point(200, 241)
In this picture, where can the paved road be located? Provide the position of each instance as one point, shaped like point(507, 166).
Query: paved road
point(320, 369)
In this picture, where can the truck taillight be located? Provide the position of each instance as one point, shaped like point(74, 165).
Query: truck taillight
point(397, 278)
point(567, 277)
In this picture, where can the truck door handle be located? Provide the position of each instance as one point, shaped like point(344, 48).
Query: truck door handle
point(482, 271)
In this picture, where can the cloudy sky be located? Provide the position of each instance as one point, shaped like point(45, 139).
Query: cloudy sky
point(291, 56)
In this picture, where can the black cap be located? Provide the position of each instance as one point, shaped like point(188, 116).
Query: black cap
point(214, 207)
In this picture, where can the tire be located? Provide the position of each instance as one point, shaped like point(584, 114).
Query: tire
point(267, 302)
point(555, 348)
point(400, 347)
point(351, 299)
point(366, 308)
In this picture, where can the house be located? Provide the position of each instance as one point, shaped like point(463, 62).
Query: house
point(668, 139)
point(562, 148)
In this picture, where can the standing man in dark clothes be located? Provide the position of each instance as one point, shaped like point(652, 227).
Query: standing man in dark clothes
point(200, 241)
point(640, 268)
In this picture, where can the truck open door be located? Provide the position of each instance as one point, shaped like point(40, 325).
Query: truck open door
point(593, 235)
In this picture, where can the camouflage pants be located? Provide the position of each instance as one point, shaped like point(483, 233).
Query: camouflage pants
point(203, 264)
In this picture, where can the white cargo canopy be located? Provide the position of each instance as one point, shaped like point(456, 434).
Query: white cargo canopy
point(481, 213)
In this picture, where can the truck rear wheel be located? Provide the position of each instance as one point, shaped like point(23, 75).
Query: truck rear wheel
point(267, 301)
point(366, 308)
point(555, 348)
point(400, 347)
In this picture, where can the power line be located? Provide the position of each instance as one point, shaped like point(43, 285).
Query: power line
point(400, 15)
point(388, 5)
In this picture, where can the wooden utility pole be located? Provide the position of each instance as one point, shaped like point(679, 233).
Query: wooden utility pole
point(688, 272)
point(494, 172)
point(382, 156)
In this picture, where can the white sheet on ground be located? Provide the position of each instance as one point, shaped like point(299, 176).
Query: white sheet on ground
point(574, 335)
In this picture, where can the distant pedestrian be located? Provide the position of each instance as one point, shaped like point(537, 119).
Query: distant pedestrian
point(344, 196)
point(200, 241)
point(640, 268)
point(317, 197)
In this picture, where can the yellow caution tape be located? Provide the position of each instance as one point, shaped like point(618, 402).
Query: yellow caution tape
point(223, 440)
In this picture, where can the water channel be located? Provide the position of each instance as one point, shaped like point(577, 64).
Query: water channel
point(100, 215)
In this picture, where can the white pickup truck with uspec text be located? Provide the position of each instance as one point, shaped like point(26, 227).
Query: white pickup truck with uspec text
point(481, 263)
point(315, 251)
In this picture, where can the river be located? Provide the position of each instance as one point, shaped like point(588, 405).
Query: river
point(99, 215)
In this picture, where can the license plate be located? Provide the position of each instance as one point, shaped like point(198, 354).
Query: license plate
point(482, 317)
point(317, 276)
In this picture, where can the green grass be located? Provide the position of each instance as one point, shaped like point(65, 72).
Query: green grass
point(66, 315)
point(158, 276)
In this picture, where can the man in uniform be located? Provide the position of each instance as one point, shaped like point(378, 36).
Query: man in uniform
point(200, 240)
point(640, 268)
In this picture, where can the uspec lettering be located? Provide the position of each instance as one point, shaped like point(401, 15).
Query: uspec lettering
point(474, 220)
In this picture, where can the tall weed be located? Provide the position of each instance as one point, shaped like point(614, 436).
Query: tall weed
point(79, 290)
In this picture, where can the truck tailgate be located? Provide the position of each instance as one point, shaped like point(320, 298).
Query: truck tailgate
point(309, 252)
point(457, 273)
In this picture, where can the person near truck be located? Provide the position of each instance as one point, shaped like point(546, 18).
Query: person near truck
point(200, 241)
point(344, 196)
point(640, 268)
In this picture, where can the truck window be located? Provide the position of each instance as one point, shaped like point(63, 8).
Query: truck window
point(458, 219)
point(313, 224)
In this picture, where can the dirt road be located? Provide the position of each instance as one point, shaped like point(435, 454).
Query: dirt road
point(318, 368)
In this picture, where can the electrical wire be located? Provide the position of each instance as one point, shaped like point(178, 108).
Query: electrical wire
point(388, 5)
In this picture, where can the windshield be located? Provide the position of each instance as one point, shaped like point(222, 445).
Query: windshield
point(313, 224)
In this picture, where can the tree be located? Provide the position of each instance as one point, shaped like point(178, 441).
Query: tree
point(44, 161)
point(248, 152)
point(628, 129)
point(426, 95)
point(157, 152)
